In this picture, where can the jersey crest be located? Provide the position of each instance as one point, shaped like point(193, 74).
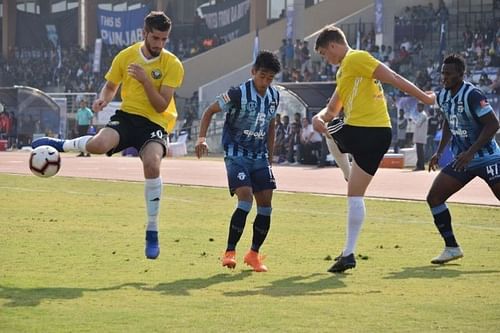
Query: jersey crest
point(251, 106)
point(156, 74)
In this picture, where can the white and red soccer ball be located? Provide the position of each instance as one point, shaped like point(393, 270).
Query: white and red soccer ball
point(45, 161)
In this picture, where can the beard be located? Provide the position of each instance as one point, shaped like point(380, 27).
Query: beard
point(152, 52)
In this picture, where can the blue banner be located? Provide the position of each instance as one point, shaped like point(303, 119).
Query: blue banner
point(121, 28)
point(228, 20)
point(379, 16)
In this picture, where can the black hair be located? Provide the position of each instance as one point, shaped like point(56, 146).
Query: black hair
point(268, 61)
point(158, 21)
point(330, 33)
point(457, 60)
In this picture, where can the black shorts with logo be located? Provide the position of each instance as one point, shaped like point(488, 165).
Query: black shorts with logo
point(367, 145)
point(135, 131)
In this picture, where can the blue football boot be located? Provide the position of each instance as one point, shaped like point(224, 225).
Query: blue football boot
point(46, 141)
point(152, 250)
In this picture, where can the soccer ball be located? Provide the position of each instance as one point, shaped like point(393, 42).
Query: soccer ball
point(45, 161)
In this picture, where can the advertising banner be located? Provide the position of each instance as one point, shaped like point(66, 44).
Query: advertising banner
point(121, 28)
point(228, 20)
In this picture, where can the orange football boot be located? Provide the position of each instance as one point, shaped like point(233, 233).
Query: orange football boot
point(254, 260)
point(229, 259)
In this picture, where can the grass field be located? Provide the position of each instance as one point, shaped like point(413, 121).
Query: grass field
point(71, 260)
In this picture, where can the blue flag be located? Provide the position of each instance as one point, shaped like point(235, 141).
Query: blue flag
point(256, 48)
point(442, 41)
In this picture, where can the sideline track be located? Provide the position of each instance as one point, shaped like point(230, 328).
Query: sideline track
point(388, 183)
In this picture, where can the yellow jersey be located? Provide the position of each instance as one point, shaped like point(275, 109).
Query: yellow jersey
point(362, 96)
point(163, 70)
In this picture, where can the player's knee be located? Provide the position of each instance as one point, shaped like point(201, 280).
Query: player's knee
point(151, 171)
point(97, 146)
point(433, 200)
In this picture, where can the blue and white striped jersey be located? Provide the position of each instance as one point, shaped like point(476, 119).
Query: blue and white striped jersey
point(462, 112)
point(247, 120)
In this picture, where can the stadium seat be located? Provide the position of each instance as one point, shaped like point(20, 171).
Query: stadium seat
point(178, 148)
point(410, 155)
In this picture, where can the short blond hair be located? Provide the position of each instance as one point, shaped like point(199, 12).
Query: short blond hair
point(330, 33)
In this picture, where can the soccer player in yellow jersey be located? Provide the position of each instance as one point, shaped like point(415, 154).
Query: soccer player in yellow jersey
point(148, 75)
point(366, 132)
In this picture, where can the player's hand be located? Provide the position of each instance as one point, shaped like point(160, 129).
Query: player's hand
point(201, 147)
point(99, 104)
point(462, 160)
point(430, 99)
point(137, 72)
point(318, 124)
point(434, 162)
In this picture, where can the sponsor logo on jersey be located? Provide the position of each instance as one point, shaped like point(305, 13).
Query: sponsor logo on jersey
point(156, 74)
point(459, 132)
point(258, 135)
point(460, 107)
point(113, 123)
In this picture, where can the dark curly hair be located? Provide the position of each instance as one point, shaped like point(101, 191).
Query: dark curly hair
point(268, 61)
point(457, 60)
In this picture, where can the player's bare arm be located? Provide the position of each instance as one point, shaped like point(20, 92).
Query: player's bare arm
point(327, 114)
point(201, 147)
point(106, 95)
point(387, 75)
point(490, 128)
point(158, 99)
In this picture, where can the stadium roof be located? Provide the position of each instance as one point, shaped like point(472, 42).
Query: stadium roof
point(68, 4)
point(314, 95)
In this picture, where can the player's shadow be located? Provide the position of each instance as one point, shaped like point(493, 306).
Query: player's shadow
point(434, 272)
point(310, 285)
point(34, 296)
point(184, 286)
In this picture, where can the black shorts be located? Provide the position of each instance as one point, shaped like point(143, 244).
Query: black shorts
point(367, 145)
point(135, 131)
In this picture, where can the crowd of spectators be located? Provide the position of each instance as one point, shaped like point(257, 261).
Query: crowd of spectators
point(70, 69)
point(53, 69)
point(297, 142)
point(410, 57)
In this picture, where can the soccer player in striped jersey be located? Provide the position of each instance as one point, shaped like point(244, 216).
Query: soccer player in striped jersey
point(471, 124)
point(248, 141)
point(366, 132)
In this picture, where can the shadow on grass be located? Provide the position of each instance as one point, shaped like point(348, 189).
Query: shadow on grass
point(34, 296)
point(434, 272)
point(309, 285)
point(183, 287)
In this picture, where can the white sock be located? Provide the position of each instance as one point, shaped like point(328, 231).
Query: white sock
point(355, 219)
point(152, 193)
point(78, 144)
point(341, 159)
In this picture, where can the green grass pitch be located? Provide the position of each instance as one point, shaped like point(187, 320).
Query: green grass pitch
point(71, 260)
